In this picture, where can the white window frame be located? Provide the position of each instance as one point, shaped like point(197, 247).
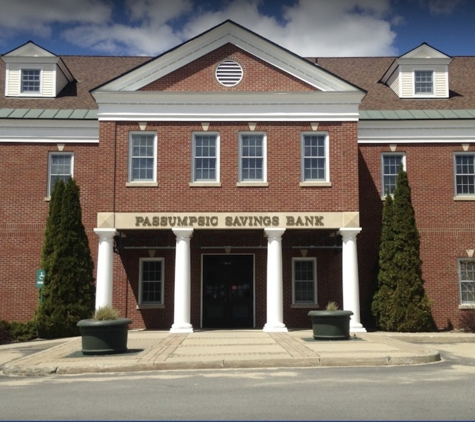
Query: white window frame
point(162, 281)
point(326, 178)
point(393, 154)
point(459, 154)
point(50, 164)
point(153, 180)
point(294, 281)
point(264, 158)
point(31, 93)
point(216, 180)
point(424, 94)
point(460, 281)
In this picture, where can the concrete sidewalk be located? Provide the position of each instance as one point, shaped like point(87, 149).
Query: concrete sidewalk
point(217, 349)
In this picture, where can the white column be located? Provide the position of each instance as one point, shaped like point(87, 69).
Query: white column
point(105, 264)
point(351, 291)
point(275, 304)
point(181, 320)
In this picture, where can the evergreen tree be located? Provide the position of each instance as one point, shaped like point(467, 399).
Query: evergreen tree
point(69, 292)
point(401, 303)
point(386, 283)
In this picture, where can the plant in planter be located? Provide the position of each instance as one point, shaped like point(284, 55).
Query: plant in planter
point(105, 333)
point(331, 324)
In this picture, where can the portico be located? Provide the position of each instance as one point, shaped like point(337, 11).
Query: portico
point(273, 226)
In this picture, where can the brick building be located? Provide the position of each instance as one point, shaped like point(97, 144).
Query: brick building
point(230, 183)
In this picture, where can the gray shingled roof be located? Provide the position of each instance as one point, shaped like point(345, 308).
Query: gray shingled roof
point(75, 101)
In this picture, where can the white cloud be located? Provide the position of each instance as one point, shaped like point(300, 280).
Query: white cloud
point(440, 7)
point(150, 27)
point(37, 17)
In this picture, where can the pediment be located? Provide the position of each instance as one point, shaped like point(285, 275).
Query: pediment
point(424, 51)
point(217, 37)
point(29, 49)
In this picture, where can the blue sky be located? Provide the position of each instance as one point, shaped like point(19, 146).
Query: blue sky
point(306, 27)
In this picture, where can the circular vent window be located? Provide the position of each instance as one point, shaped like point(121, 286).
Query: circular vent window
point(229, 73)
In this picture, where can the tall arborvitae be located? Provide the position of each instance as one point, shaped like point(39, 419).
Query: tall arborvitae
point(412, 308)
point(70, 292)
point(401, 303)
point(386, 283)
point(52, 233)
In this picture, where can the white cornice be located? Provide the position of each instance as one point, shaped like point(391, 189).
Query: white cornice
point(217, 37)
point(422, 131)
point(218, 106)
point(49, 131)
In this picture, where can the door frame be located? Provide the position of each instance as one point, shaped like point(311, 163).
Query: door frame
point(253, 284)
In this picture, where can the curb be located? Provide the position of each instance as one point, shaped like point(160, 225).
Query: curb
point(33, 371)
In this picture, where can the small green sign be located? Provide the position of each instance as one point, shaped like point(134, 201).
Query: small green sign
point(40, 276)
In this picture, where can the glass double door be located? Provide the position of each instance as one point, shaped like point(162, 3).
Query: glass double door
point(228, 291)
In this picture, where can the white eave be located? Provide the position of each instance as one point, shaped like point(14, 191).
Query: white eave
point(220, 106)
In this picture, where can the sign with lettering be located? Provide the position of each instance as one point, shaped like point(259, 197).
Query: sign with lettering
point(224, 220)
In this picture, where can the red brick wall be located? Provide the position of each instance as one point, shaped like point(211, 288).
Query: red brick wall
point(283, 171)
point(446, 226)
point(199, 75)
point(23, 177)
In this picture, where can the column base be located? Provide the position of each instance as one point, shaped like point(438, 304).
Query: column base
point(275, 328)
point(181, 329)
point(357, 328)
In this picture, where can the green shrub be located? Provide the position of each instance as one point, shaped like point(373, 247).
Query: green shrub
point(5, 336)
point(11, 332)
point(106, 313)
point(23, 331)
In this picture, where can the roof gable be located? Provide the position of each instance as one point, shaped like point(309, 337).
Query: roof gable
point(229, 33)
point(424, 51)
point(29, 49)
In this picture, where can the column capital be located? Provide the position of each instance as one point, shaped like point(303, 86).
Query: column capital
point(107, 233)
point(274, 232)
point(183, 232)
point(349, 233)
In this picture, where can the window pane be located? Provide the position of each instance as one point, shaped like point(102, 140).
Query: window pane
point(142, 164)
point(314, 159)
point(423, 81)
point(467, 282)
point(30, 80)
point(60, 168)
point(465, 174)
point(205, 158)
point(304, 287)
point(151, 282)
point(252, 158)
point(390, 171)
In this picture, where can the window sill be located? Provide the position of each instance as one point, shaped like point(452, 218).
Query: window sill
point(47, 198)
point(150, 306)
point(315, 184)
point(141, 184)
point(467, 306)
point(252, 184)
point(464, 198)
point(305, 305)
point(205, 184)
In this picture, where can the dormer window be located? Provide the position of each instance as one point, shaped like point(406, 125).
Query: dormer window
point(30, 80)
point(32, 71)
point(420, 73)
point(423, 82)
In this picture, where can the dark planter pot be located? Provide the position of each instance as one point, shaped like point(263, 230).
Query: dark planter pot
point(104, 337)
point(331, 325)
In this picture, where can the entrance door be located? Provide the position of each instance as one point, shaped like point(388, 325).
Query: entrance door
point(227, 291)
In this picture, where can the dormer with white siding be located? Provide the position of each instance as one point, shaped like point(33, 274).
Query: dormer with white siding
point(32, 71)
point(420, 73)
